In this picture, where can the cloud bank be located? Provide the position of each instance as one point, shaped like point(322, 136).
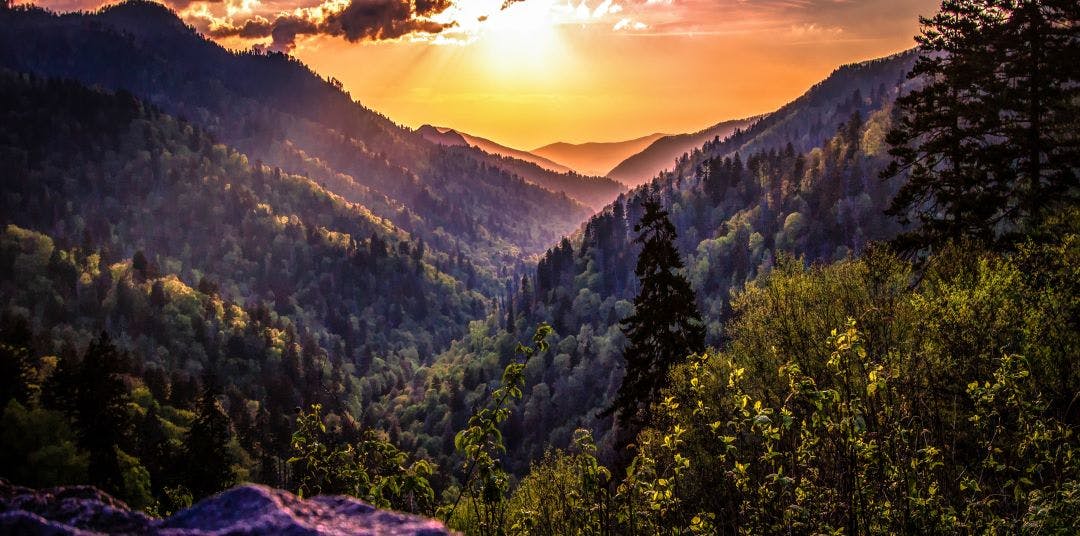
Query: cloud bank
point(277, 24)
point(356, 20)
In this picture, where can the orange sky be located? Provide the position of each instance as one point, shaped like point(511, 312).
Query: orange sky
point(540, 71)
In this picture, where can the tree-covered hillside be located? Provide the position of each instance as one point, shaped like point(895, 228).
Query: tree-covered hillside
point(105, 171)
point(273, 108)
point(734, 214)
point(120, 219)
point(660, 154)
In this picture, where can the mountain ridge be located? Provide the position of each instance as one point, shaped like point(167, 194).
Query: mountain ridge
point(275, 109)
point(594, 158)
point(594, 192)
point(451, 136)
point(662, 152)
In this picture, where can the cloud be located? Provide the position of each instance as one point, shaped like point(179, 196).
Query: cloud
point(605, 7)
point(384, 19)
point(279, 23)
point(627, 23)
point(357, 20)
point(431, 7)
point(800, 20)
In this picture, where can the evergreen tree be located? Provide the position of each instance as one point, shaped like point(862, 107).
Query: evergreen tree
point(509, 306)
point(665, 327)
point(15, 361)
point(1039, 102)
point(989, 139)
point(140, 265)
point(100, 411)
point(156, 452)
point(210, 467)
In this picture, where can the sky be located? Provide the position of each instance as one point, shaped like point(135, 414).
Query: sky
point(526, 73)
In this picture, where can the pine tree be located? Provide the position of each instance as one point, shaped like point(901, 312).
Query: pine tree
point(666, 326)
point(1039, 102)
point(140, 265)
point(210, 465)
point(155, 451)
point(509, 324)
point(989, 140)
point(100, 411)
point(15, 361)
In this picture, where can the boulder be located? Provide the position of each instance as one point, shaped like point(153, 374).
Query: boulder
point(245, 510)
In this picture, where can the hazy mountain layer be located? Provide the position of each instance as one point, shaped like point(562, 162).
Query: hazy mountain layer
point(594, 158)
point(449, 136)
point(595, 192)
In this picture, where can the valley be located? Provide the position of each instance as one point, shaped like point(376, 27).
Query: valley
point(217, 267)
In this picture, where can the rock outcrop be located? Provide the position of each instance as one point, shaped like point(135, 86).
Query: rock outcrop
point(247, 510)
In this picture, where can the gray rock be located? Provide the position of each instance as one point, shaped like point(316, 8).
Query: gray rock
point(244, 510)
point(66, 510)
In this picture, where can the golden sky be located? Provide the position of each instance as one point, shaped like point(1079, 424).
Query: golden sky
point(530, 72)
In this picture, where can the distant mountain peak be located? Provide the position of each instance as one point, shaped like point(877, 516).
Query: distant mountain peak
point(454, 137)
point(595, 158)
point(442, 135)
point(563, 144)
point(594, 192)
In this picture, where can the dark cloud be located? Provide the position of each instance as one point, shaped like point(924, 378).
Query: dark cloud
point(285, 30)
point(431, 7)
point(360, 20)
point(384, 19)
point(181, 4)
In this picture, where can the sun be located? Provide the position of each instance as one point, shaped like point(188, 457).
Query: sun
point(522, 37)
point(524, 32)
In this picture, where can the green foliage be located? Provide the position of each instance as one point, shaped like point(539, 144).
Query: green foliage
point(372, 469)
point(100, 414)
point(563, 493)
point(135, 481)
point(485, 484)
point(210, 463)
point(915, 413)
point(38, 448)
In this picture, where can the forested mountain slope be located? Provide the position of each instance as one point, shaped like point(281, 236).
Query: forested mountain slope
point(810, 120)
point(198, 264)
point(736, 203)
point(108, 172)
point(595, 192)
point(276, 110)
point(662, 153)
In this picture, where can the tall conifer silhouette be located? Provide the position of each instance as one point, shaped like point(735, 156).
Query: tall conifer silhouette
point(666, 326)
